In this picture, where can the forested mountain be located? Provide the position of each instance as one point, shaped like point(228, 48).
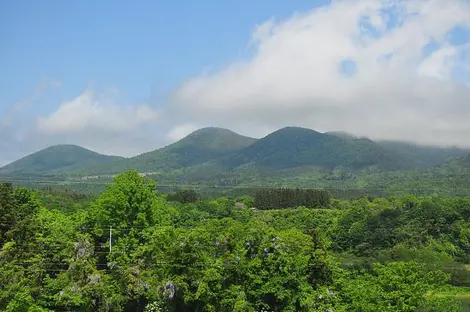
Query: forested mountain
point(198, 147)
point(291, 156)
point(455, 172)
point(421, 156)
point(293, 147)
point(216, 152)
point(54, 159)
point(417, 156)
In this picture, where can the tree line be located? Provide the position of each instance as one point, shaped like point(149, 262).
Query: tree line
point(280, 198)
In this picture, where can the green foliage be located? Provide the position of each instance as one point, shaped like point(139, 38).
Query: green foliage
point(64, 200)
point(398, 286)
point(131, 201)
point(288, 198)
point(129, 249)
point(184, 196)
point(246, 200)
point(8, 209)
point(17, 208)
point(439, 224)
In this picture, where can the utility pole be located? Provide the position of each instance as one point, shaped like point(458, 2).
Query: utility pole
point(110, 239)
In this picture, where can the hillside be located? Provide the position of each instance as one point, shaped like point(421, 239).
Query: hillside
point(417, 156)
point(198, 147)
point(455, 171)
point(54, 159)
point(288, 152)
point(451, 178)
point(421, 156)
point(293, 147)
point(296, 157)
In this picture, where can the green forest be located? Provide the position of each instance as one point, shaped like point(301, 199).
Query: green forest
point(134, 248)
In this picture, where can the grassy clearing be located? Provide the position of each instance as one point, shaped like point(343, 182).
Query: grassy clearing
point(464, 297)
point(462, 294)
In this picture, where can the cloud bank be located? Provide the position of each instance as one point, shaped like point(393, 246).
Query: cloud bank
point(87, 112)
point(384, 69)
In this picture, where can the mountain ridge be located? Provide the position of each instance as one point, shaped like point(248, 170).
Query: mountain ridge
point(291, 147)
point(196, 148)
point(214, 154)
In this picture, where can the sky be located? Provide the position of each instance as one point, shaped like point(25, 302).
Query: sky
point(123, 78)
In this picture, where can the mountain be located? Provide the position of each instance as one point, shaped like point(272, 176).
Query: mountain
point(54, 159)
point(198, 147)
point(451, 178)
point(453, 169)
point(417, 156)
point(293, 147)
point(290, 156)
point(421, 156)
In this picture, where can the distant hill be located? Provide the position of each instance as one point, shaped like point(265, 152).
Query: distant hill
point(417, 156)
point(54, 159)
point(453, 168)
point(421, 156)
point(198, 147)
point(293, 147)
point(451, 178)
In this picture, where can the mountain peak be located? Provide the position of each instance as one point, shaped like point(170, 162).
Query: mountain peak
point(64, 147)
point(292, 147)
point(292, 129)
point(54, 158)
point(212, 132)
point(293, 133)
point(200, 146)
point(214, 138)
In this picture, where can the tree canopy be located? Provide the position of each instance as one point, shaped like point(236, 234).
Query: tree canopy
point(129, 249)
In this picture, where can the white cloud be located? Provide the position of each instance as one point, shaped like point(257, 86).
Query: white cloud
point(178, 132)
point(89, 112)
point(439, 64)
point(93, 121)
point(293, 77)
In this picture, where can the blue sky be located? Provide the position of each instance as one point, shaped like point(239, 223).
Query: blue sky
point(125, 77)
point(143, 48)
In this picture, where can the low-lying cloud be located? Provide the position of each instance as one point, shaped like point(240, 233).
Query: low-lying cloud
point(385, 69)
